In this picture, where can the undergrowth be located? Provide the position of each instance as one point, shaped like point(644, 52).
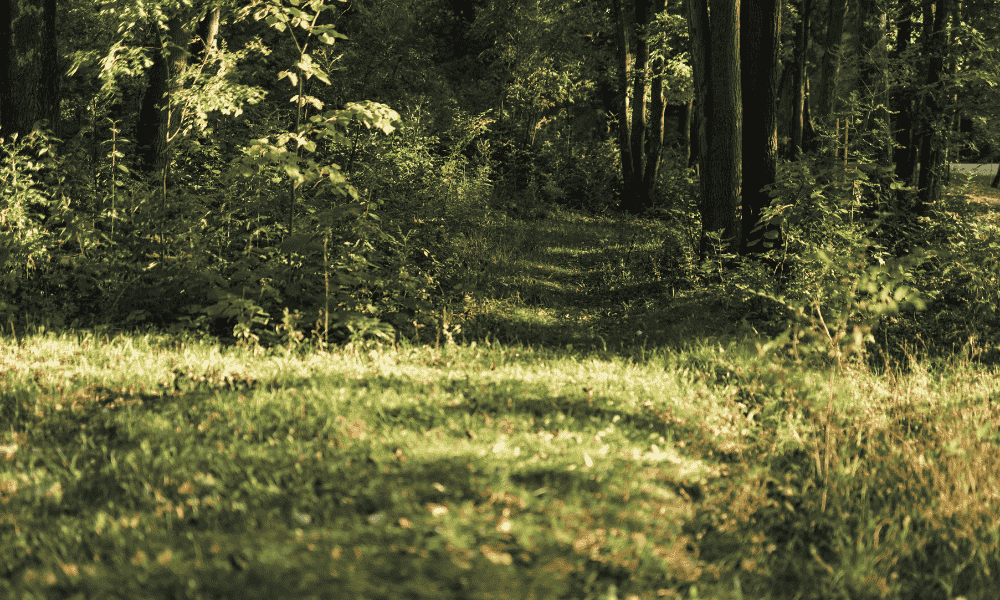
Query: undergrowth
point(578, 427)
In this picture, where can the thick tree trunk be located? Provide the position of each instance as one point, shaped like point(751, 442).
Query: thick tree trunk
point(29, 92)
point(159, 119)
point(760, 20)
point(725, 135)
point(932, 148)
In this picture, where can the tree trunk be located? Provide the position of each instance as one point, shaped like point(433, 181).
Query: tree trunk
point(902, 103)
point(723, 170)
point(874, 79)
point(642, 144)
point(652, 148)
point(760, 20)
point(686, 122)
point(830, 65)
point(933, 143)
point(29, 92)
point(159, 119)
point(207, 31)
point(624, 26)
point(797, 126)
point(698, 31)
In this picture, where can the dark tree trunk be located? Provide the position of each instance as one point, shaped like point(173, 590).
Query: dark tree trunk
point(874, 79)
point(830, 66)
point(624, 26)
point(641, 138)
point(760, 21)
point(698, 32)
point(159, 119)
point(723, 170)
point(932, 147)
point(686, 122)
point(808, 131)
point(902, 102)
point(797, 127)
point(208, 30)
point(651, 150)
point(29, 92)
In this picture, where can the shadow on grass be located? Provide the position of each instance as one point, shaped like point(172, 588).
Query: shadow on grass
point(591, 285)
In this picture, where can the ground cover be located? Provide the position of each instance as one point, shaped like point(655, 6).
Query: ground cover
point(575, 429)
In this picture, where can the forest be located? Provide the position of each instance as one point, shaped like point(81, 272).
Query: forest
point(603, 299)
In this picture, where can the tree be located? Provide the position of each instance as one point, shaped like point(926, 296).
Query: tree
point(159, 119)
point(799, 80)
point(760, 22)
point(29, 76)
point(641, 103)
point(830, 73)
point(715, 43)
point(901, 101)
point(933, 130)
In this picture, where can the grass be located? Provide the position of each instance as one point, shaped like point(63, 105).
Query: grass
point(577, 430)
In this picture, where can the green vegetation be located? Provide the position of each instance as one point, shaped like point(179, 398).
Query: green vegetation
point(307, 299)
point(562, 432)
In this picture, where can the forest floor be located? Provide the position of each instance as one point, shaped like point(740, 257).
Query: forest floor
point(979, 189)
point(579, 428)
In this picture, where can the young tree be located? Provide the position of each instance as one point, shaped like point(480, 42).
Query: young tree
point(29, 73)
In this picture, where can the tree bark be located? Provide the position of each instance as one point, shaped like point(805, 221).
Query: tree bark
point(207, 31)
point(624, 26)
point(760, 20)
point(159, 119)
point(725, 136)
point(874, 79)
point(698, 31)
point(642, 143)
point(932, 148)
point(797, 127)
point(830, 65)
point(29, 90)
point(901, 101)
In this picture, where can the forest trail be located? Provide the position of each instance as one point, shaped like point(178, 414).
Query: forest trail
point(584, 282)
point(601, 282)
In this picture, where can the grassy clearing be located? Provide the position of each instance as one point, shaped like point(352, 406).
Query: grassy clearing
point(560, 437)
